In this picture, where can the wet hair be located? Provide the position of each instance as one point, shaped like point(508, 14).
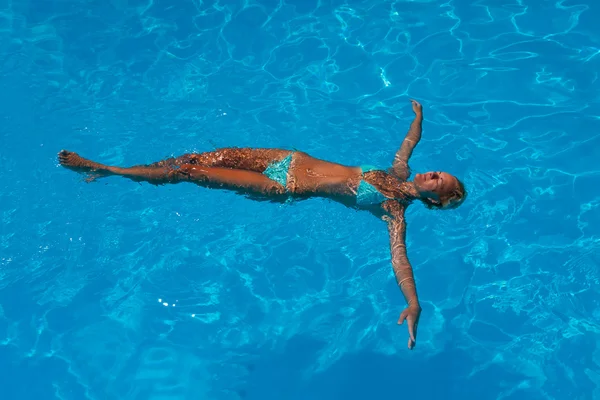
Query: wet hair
point(450, 200)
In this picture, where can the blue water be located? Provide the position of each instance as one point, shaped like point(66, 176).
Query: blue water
point(120, 290)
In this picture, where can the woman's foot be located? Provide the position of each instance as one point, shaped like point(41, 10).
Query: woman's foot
point(74, 161)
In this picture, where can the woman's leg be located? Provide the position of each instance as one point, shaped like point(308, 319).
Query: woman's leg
point(248, 159)
point(217, 177)
point(153, 174)
point(247, 182)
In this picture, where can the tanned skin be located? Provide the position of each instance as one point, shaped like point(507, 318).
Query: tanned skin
point(241, 170)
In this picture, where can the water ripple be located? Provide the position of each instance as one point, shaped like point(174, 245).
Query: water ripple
point(119, 290)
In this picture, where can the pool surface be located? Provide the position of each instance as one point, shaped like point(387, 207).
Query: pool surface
point(120, 290)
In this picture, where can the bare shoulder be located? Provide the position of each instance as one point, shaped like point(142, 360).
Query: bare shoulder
point(400, 170)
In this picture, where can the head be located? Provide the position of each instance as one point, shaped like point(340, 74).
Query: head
point(440, 190)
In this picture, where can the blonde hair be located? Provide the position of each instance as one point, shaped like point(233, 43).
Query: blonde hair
point(450, 200)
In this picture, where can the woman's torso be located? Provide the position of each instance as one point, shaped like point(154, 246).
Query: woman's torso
point(309, 176)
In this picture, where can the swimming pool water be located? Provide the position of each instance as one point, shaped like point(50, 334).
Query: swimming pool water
point(120, 290)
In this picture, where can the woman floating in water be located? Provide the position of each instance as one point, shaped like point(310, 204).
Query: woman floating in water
point(281, 174)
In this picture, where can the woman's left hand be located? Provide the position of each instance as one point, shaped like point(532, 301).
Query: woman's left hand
point(411, 314)
point(417, 107)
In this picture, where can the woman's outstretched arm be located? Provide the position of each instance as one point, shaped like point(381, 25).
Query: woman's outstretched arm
point(402, 268)
point(400, 166)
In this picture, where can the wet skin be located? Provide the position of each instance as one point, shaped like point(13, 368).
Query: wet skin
point(241, 170)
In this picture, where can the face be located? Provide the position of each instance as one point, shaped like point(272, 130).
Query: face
point(435, 182)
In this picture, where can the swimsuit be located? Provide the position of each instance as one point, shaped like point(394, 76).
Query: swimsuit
point(366, 193)
point(278, 170)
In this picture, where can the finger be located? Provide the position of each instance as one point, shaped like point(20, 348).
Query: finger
point(411, 344)
point(411, 331)
point(402, 318)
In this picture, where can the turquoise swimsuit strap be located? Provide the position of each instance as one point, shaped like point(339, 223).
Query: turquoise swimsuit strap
point(367, 168)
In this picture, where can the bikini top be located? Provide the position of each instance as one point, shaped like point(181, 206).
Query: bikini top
point(368, 194)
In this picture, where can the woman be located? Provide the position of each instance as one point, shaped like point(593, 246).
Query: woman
point(280, 174)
